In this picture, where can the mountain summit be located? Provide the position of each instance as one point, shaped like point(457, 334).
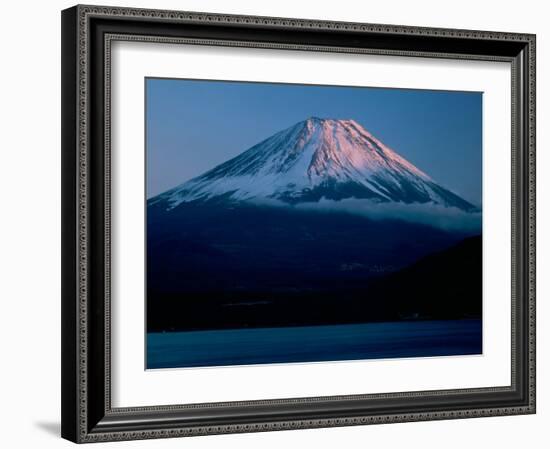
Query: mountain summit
point(314, 159)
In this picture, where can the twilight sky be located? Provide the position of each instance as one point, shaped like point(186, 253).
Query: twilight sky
point(192, 126)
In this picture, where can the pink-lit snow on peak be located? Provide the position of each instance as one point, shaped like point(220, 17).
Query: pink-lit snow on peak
point(314, 159)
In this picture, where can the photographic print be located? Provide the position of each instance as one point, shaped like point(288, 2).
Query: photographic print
point(310, 223)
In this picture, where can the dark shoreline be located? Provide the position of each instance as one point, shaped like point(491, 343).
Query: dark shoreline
point(320, 324)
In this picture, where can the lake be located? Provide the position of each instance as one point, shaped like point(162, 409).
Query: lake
point(314, 343)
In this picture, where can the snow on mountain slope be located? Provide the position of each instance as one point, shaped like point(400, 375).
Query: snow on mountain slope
point(316, 159)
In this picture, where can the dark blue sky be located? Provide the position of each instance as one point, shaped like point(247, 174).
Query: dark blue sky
point(194, 125)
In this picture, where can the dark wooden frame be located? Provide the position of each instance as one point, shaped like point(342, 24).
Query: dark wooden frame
point(87, 32)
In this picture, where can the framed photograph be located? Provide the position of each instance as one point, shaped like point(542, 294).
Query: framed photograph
point(275, 224)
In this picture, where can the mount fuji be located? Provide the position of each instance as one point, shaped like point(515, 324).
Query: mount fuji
point(298, 230)
point(312, 160)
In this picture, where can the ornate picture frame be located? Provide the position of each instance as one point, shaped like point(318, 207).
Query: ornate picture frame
point(88, 414)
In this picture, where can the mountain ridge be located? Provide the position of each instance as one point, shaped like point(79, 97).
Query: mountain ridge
point(316, 159)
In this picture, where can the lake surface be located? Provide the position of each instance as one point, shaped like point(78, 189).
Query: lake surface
point(314, 343)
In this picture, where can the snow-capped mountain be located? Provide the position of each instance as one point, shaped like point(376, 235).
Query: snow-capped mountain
point(315, 159)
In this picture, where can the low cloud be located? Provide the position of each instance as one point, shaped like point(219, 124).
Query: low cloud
point(447, 218)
